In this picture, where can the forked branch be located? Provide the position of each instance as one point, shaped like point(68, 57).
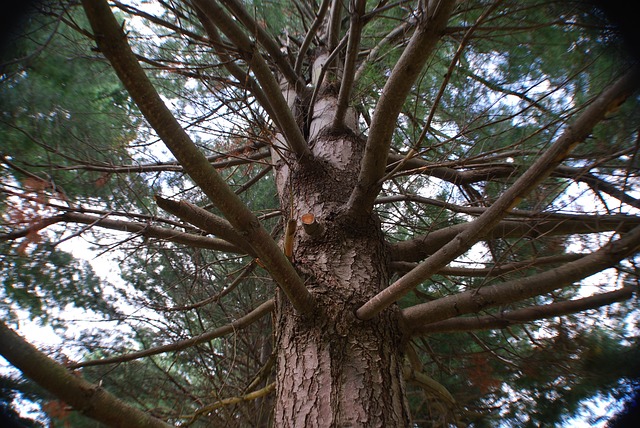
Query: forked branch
point(404, 74)
point(521, 316)
point(472, 301)
point(204, 220)
point(263, 73)
point(265, 40)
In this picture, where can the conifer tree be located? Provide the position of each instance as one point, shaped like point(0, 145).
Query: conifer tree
point(324, 213)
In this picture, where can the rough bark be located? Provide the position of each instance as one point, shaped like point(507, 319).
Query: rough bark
point(332, 369)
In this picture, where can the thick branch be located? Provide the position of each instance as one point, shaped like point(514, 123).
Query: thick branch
point(541, 169)
point(383, 122)
point(597, 184)
point(521, 316)
point(490, 172)
point(335, 22)
point(353, 45)
point(232, 327)
point(310, 35)
point(87, 398)
point(204, 220)
point(113, 43)
point(472, 301)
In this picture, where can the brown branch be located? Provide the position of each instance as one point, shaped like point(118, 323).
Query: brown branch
point(447, 77)
point(149, 231)
point(406, 71)
point(490, 172)
point(113, 43)
point(265, 40)
point(233, 400)
point(236, 71)
point(541, 168)
point(335, 22)
point(204, 220)
point(311, 33)
point(232, 327)
point(457, 176)
point(178, 29)
point(597, 184)
point(87, 398)
point(472, 301)
point(418, 248)
point(353, 45)
point(216, 297)
point(521, 316)
point(404, 28)
point(35, 226)
point(492, 271)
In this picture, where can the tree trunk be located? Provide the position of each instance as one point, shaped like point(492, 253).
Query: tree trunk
point(333, 369)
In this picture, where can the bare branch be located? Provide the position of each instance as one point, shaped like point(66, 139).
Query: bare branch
point(205, 220)
point(335, 22)
point(383, 122)
point(524, 288)
point(232, 327)
point(597, 184)
point(496, 270)
point(87, 398)
point(353, 45)
point(403, 29)
point(449, 73)
point(233, 68)
point(521, 316)
point(234, 400)
point(541, 168)
point(158, 21)
point(422, 246)
point(149, 231)
point(310, 35)
point(36, 226)
point(479, 172)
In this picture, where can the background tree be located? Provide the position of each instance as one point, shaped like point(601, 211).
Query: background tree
point(435, 202)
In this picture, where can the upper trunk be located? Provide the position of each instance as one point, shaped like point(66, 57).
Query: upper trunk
point(333, 369)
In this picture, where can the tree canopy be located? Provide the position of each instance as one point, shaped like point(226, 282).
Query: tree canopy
point(319, 213)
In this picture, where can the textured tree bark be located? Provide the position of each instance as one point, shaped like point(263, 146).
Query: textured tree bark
point(333, 369)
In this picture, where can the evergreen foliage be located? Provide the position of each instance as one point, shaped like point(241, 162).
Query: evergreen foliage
point(81, 162)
